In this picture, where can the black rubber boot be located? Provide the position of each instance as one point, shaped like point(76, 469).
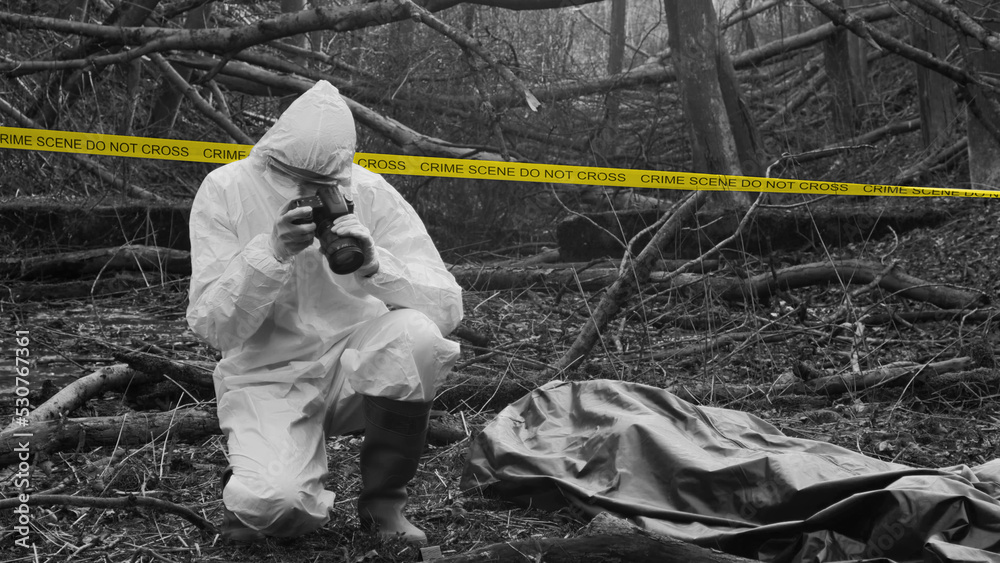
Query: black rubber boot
point(395, 432)
point(232, 529)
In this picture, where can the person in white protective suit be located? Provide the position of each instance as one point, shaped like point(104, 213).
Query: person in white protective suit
point(307, 353)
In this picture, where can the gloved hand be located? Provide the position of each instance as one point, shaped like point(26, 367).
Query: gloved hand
point(350, 226)
point(289, 238)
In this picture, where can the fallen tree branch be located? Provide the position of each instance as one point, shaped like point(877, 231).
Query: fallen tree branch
point(194, 424)
point(757, 288)
point(881, 39)
point(199, 103)
point(79, 392)
point(81, 263)
point(135, 428)
point(109, 285)
point(713, 344)
point(628, 284)
point(960, 21)
point(763, 286)
point(159, 367)
point(976, 380)
point(934, 376)
point(925, 165)
point(130, 501)
point(976, 316)
point(466, 42)
point(886, 376)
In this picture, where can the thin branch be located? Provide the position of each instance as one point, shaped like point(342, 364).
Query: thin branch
point(607, 32)
point(740, 15)
point(880, 39)
point(466, 41)
point(959, 21)
point(203, 106)
point(626, 285)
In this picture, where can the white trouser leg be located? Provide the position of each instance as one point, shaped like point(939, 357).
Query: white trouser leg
point(275, 431)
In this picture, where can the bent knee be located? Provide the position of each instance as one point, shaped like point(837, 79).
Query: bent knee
point(279, 508)
point(401, 355)
point(415, 322)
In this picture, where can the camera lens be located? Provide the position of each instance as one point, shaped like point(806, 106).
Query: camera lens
point(345, 258)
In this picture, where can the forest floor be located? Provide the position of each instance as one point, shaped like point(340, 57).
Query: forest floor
point(529, 329)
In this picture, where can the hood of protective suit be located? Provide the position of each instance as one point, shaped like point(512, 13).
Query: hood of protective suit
point(315, 133)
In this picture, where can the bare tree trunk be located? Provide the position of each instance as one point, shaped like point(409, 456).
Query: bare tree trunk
point(938, 107)
point(65, 87)
point(857, 49)
point(837, 62)
point(983, 110)
point(695, 50)
point(287, 7)
point(745, 132)
point(616, 53)
point(164, 111)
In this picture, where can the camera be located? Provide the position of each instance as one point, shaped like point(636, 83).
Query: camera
point(328, 205)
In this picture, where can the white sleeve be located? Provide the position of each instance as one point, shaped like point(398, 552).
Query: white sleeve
point(411, 273)
point(233, 287)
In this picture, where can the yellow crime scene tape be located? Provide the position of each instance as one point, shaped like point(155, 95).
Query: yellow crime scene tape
point(221, 153)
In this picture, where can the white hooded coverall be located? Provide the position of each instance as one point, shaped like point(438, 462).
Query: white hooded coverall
point(299, 344)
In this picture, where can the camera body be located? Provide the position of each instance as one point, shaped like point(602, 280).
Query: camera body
point(343, 253)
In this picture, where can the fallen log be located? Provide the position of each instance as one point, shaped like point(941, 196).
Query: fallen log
point(758, 288)
point(196, 374)
point(470, 392)
point(32, 226)
point(105, 285)
point(935, 376)
point(75, 394)
point(851, 272)
point(72, 265)
point(977, 382)
point(187, 425)
point(892, 376)
point(132, 429)
point(975, 316)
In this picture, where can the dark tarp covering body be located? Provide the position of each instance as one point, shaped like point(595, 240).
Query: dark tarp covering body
point(728, 480)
